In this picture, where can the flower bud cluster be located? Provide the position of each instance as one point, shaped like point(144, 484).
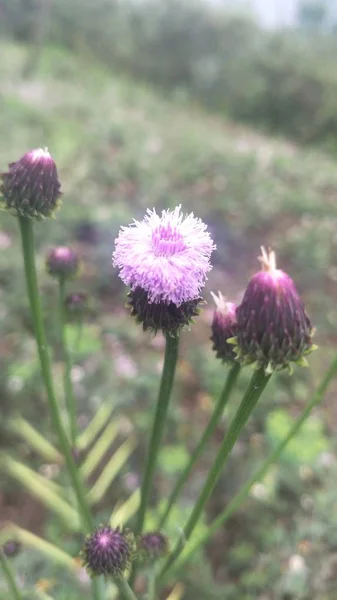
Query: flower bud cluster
point(270, 328)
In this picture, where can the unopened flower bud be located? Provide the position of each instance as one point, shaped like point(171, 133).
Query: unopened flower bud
point(31, 187)
point(223, 328)
point(11, 548)
point(152, 546)
point(108, 552)
point(273, 329)
point(62, 262)
point(76, 305)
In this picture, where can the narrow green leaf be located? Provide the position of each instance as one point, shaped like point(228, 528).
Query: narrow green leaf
point(111, 469)
point(38, 442)
point(100, 419)
point(99, 449)
point(40, 487)
point(177, 592)
point(50, 551)
point(42, 595)
point(125, 511)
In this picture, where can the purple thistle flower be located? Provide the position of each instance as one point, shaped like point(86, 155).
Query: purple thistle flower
point(223, 328)
point(164, 260)
point(62, 262)
point(31, 187)
point(273, 328)
point(108, 552)
point(152, 545)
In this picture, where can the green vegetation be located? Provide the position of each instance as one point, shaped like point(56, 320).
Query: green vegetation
point(120, 148)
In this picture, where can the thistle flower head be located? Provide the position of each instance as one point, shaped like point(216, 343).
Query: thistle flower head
point(31, 187)
point(62, 262)
point(152, 545)
point(223, 328)
point(108, 552)
point(273, 328)
point(164, 260)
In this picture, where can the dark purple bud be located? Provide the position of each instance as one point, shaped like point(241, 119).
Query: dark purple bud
point(164, 316)
point(223, 328)
point(273, 328)
point(152, 545)
point(62, 262)
point(31, 187)
point(108, 552)
point(77, 305)
point(11, 548)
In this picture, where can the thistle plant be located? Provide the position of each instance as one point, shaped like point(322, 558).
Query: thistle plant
point(164, 260)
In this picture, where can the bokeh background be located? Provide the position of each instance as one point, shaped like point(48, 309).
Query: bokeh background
point(229, 109)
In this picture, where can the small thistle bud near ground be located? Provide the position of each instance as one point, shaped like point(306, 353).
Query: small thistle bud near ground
point(11, 548)
point(164, 260)
point(273, 328)
point(152, 546)
point(108, 552)
point(223, 328)
point(31, 187)
point(76, 305)
point(62, 262)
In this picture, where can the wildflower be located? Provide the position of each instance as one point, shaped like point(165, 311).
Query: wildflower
point(62, 262)
point(108, 552)
point(164, 260)
point(273, 328)
point(152, 545)
point(31, 187)
point(223, 328)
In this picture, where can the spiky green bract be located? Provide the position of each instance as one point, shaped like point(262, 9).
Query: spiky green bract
point(164, 316)
point(62, 262)
point(273, 329)
point(31, 187)
point(108, 552)
point(223, 327)
point(152, 546)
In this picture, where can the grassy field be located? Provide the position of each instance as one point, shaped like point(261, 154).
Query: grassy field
point(121, 148)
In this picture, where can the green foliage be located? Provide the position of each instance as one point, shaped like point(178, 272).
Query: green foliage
point(285, 82)
point(308, 445)
point(121, 148)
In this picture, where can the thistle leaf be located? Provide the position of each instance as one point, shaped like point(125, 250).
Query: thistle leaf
point(41, 488)
point(99, 449)
point(38, 442)
point(177, 592)
point(50, 551)
point(125, 511)
point(111, 469)
point(86, 438)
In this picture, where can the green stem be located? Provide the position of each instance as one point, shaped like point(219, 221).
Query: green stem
point(152, 586)
point(217, 412)
point(68, 386)
point(167, 378)
point(27, 236)
point(170, 361)
point(243, 493)
point(9, 576)
point(257, 384)
point(125, 591)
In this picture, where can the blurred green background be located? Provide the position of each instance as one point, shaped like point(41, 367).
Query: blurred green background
point(153, 104)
